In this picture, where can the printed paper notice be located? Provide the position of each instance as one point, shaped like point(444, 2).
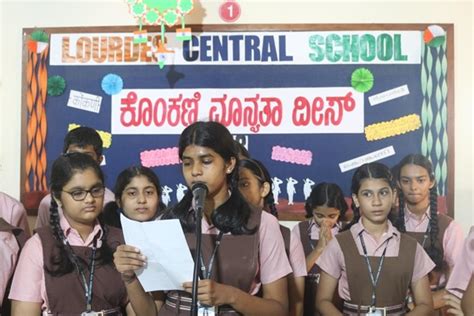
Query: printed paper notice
point(389, 95)
point(169, 261)
point(370, 157)
point(84, 101)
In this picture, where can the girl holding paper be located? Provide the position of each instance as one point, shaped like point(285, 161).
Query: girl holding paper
point(249, 267)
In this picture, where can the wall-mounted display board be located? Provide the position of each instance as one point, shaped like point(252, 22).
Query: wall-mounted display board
point(312, 102)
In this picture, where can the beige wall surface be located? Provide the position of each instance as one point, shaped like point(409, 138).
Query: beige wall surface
point(16, 15)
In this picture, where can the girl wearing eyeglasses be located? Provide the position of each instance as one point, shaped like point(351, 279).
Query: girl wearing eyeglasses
point(67, 267)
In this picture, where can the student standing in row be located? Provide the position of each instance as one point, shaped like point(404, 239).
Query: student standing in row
point(137, 196)
point(459, 279)
point(84, 140)
point(374, 264)
point(439, 234)
point(249, 272)
point(255, 185)
point(67, 268)
point(325, 207)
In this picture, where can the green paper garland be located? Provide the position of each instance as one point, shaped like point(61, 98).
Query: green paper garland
point(56, 85)
point(362, 80)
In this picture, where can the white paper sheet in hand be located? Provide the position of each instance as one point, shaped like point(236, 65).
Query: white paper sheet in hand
point(169, 261)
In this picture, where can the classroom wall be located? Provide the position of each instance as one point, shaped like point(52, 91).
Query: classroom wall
point(17, 14)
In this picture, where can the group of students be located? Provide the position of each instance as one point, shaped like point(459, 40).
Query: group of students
point(381, 262)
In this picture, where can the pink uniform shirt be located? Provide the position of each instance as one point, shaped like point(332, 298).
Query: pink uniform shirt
point(8, 254)
point(297, 257)
point(332, 260)
point(29, 282)
point(452, 240)
point(45, 204)
point(13, 212)
point(273, 262)
point(464, 267)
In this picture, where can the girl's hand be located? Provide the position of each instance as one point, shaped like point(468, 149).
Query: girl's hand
point(211, 293)
point(127, 260)
point(325, 234)
point(453, 304)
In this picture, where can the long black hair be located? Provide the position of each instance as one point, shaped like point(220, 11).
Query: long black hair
point(233, 215)
point(326, 194)
point(111, 213)
point(63, 169)
point(373, 170)
point(261, 173)
point(433, 251)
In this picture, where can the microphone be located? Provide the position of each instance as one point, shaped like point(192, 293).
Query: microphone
point(199, 190)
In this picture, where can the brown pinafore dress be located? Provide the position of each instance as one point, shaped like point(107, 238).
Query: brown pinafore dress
point(425, 241)
point(20, 236)
point(236, 263)
point(66, 294)
point(312, 279)
point(394, 281)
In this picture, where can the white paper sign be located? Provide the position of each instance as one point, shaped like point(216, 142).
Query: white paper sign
point(84, 101)
point(389, 95)
point(370, 157)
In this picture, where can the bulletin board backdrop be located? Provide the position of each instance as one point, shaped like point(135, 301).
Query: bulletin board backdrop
point(312, 102)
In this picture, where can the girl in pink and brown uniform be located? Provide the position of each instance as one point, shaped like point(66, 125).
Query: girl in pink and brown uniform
point(255, 185)
point(439, 235)
point(66, 268)
point(249, 272)
point(325, 208)
point(372, 261)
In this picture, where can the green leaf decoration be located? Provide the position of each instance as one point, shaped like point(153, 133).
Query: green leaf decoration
point(362, 80)
point(429, 143)
point(185, 6)
point(438, 148)
point(40, 36)
point(170, 17)
point(56, 85)
point(151, 17)
point(424, 146)
point(138, 8)
point(439, 97)
point(424, 116)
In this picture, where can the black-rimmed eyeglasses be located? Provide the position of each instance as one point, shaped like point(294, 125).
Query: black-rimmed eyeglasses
point(80, 195)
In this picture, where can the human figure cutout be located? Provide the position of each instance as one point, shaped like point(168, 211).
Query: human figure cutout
point(290, 189)
point(180, 189)
point(308, 185)
point(276, 188)
point(165, 196)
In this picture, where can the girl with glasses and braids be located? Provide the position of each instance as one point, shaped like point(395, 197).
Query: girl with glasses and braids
point(373, 263)
point(255, 185)
point(439, 235)
point(67, 267)
point(325, 209)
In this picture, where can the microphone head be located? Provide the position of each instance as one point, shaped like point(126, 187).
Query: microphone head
point(199, 186)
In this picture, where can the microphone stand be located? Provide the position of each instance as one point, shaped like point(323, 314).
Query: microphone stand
point(197, 262)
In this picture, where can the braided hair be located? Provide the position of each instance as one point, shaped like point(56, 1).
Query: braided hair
point(262, 174)
point(63, 169)
point(373, 170)
point(435, 253)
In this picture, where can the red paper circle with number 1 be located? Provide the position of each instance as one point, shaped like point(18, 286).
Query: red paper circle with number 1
point(229, 11)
